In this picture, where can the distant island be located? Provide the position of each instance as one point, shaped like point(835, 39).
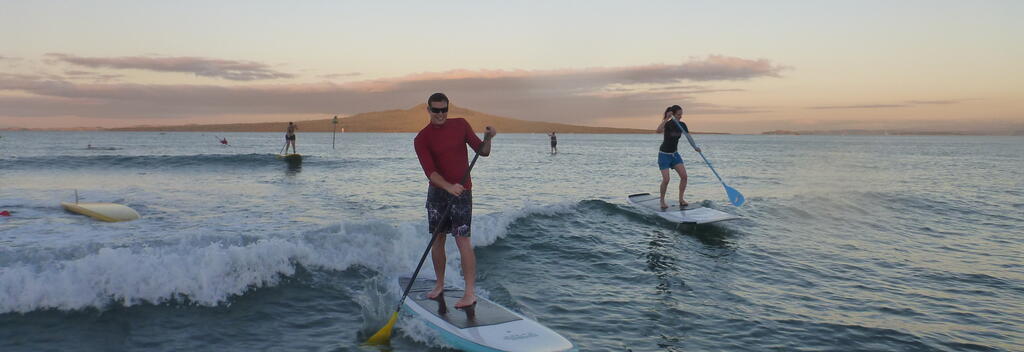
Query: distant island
point(409, 120)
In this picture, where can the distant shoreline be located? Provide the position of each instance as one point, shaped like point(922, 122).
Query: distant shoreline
point(136, 129)
point(887, 133)
point(398, 120)
point(165, 129)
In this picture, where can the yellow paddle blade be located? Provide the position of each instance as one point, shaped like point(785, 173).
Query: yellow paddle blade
point(384, 335)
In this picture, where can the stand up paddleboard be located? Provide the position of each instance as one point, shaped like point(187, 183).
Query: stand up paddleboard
point(691, 214)
point(108, 212)
point(486, 326)
point(293, 160)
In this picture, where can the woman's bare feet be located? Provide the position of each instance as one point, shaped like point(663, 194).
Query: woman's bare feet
point(683, 203)
point(437, 291)
point(663, 205)
point(467, 300)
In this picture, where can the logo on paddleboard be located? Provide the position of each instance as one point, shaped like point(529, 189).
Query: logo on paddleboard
point(525, 335)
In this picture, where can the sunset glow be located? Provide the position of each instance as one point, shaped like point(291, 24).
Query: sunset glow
point(740, 67)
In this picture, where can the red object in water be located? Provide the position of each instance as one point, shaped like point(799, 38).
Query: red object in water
point(5, 213)
point(224, 141)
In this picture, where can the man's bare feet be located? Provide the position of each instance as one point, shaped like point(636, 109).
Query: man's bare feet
point(437, 291)
point(467, 300)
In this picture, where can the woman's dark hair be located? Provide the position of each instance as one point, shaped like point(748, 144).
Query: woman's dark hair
point(437, 98)
point(673, 109)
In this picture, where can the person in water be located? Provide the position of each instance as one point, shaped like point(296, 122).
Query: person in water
point(289, 138)
point(441, 149)
point(554, 142)
point(668, 154)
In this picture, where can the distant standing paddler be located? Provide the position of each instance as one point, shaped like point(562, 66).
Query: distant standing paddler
point(289, 138)
point(554, 142)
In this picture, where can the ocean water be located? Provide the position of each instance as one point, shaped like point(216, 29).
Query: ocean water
point(847, 243)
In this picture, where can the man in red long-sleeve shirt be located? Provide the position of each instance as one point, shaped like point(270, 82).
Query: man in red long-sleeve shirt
point(441, 148)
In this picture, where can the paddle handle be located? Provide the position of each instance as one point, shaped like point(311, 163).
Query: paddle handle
point(433, 237)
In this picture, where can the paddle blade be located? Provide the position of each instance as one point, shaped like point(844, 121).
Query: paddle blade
point(383, 336)
point(735, 197)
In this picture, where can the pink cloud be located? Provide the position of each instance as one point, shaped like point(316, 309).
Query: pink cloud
point(227, 69)
point(566, 95)
point(908, 103)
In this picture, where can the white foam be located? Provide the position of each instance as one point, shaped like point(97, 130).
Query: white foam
point(209, 270)
point(486, 230)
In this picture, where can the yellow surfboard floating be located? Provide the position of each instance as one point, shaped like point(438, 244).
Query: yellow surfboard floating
point(108, 212)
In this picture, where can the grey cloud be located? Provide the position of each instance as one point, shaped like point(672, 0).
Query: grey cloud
point(31, 83)
point(96, 77)
point(934, 102)
point(571, 96)
point(863, 106)
point(11, 61)
point(908, 103)
point(712, 68)
point(227, 69)
point(697, 89)
point(340, 75)
point(680, 88)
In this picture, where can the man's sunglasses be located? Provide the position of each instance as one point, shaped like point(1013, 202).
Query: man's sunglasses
point(438, 111)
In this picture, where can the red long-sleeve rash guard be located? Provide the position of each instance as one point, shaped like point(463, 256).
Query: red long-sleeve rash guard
point(441, 148)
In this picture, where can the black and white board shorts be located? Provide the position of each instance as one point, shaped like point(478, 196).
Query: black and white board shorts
point(449, 214)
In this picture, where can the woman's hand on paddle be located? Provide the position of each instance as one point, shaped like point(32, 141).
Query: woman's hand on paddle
point(697, 149)
point(455, 189)
point(489, 132)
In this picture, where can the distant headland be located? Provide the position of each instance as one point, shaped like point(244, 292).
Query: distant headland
point(408, 120)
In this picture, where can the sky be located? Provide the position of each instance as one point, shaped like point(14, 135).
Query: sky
point(734, 66)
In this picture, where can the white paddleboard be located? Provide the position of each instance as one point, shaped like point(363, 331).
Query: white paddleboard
point(486, 326)
point(691, 214)
point(108, 212)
